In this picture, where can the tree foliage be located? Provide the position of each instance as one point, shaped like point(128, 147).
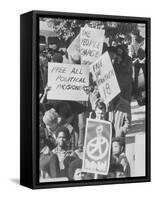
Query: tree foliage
point(67, 29)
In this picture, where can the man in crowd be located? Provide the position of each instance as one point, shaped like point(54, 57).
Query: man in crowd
point(56, 162)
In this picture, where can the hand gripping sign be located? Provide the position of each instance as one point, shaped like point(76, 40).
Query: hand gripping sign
point(104, 74)
point(97, 147)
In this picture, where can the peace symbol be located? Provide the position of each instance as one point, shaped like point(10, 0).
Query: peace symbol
point(95, 146)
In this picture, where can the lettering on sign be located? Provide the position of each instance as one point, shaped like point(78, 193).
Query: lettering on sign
point(104, 74)
point(91, 44)
point(68, 82)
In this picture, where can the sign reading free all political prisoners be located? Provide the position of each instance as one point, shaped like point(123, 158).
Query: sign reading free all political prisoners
point(97, 147)
point(68, 82)
point(104, 74)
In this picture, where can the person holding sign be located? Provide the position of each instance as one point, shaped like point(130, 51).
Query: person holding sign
point(109, 90)
point(91, 45)
point(119, 112)
point(97, 105)
point(120, 115)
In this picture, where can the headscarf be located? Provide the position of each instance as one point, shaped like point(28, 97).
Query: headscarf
point(50, 117)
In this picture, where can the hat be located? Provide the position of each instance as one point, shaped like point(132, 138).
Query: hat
point(51, 116)
point(75, 164)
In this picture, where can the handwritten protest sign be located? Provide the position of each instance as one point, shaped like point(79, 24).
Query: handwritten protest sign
point(74, 49)
point(68, 82)
point(91, 44)
point(104, 74)
point(96, 155)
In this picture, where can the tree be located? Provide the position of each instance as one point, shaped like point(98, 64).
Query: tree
point(67, 29)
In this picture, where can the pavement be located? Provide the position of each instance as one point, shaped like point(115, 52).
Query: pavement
point(138, 118)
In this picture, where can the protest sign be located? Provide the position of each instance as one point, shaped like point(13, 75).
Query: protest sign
point(91, 44)
point(97, 147)
point(104, 74)
point(74, 49)
point(68, 82)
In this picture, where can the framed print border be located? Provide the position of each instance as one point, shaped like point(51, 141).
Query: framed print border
point(29, 99)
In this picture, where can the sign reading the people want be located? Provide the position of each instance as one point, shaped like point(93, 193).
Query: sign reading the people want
point(68, 82)
point(96, 155)
point(105, 77)
point(91, 44)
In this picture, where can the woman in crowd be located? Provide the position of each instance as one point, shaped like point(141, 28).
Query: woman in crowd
point(124, 71)
point(139, 63)
point(47, 169)
point(51, 120)
point(118, 155)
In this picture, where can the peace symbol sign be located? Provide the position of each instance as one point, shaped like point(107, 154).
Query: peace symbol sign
point(95, 146)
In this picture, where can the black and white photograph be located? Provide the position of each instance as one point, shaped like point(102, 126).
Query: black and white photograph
point(76, 100)
point(92, 99)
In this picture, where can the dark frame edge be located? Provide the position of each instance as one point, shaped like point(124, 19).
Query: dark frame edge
point(90, 15)
point(148, 100)
point(92, 183)
point(25, 99)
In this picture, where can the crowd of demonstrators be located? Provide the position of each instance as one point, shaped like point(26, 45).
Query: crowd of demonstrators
point(138, 56)
point(62, 131)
